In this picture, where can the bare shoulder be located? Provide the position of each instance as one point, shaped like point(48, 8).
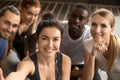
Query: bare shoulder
point(27, 65)
point(66, 67)
point(26, 60)
point(66, 59)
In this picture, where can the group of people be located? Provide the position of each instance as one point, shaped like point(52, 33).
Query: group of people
point(61, 49)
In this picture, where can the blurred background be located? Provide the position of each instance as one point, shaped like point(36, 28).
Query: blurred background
point(61, 8)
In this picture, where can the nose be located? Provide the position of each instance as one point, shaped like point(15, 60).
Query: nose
point(10, 29)
point(77, 20)
point(32, 17)
point(50, 43)
point(98, 29)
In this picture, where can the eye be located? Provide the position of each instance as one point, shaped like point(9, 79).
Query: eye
point(81, 18)
point(36, 15)
point(7, 23)
point(73, 15)
point(44, 38)
point(15, 26)
point(56, 39)
point(93, 24)
point(29, 13)
point(103, 26)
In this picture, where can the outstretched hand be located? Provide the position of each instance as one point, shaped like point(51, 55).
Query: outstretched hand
point(1, 75)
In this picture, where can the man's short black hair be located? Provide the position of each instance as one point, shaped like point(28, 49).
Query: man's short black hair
point(82, 6)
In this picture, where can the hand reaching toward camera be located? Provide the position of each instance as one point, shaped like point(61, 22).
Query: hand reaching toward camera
point(1, 75)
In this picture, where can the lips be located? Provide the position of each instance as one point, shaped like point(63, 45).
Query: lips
point(75, 27)
point(97, 35)
point(98, 38)
point(29, 23)
point(48, 50)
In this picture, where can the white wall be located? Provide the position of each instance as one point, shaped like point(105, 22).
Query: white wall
point(117, 26)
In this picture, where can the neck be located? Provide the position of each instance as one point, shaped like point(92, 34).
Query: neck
point(76, 34)
point(45, 60)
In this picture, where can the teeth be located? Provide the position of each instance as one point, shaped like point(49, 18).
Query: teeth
point(49, 50)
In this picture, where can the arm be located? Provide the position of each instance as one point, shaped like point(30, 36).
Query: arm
point(89, 66)
point(66, 67)
point(23, 69)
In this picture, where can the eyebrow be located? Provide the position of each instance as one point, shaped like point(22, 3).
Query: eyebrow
point(10, 22)
point(48, 36)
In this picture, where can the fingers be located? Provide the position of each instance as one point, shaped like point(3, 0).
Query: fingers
point(101, 47)
point(23, 28)
point(1, 75)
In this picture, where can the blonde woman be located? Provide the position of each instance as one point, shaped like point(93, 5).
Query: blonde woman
point(103, 49)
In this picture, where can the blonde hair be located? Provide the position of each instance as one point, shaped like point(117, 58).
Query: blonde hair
point(107, 14)
point(113, 47)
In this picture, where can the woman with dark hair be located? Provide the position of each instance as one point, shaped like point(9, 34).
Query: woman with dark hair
point(48, 63)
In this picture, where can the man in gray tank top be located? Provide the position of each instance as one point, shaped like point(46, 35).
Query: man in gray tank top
point(75, 32)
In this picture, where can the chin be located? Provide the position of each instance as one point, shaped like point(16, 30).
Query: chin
point(98, 40)
point(7, 36)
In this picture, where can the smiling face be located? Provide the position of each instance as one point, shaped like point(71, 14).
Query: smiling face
point(49, 41)
point(29, 15)
point(9, 24)
point(100, 29)
point(77, 19)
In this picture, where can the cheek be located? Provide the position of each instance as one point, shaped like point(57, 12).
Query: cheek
point(15, 30)
point(41, 43)
point(91, 30)
point(23, 15)
point(107, 33)
point(57, 45)
point(27, 17)
point(3, 26)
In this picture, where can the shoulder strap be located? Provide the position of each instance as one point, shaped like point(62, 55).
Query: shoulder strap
point(59, 64)
point(36, 75)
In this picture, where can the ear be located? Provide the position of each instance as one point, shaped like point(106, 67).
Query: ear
point(112, 29)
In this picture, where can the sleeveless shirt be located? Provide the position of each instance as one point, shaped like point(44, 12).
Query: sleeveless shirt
point(58, 73)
